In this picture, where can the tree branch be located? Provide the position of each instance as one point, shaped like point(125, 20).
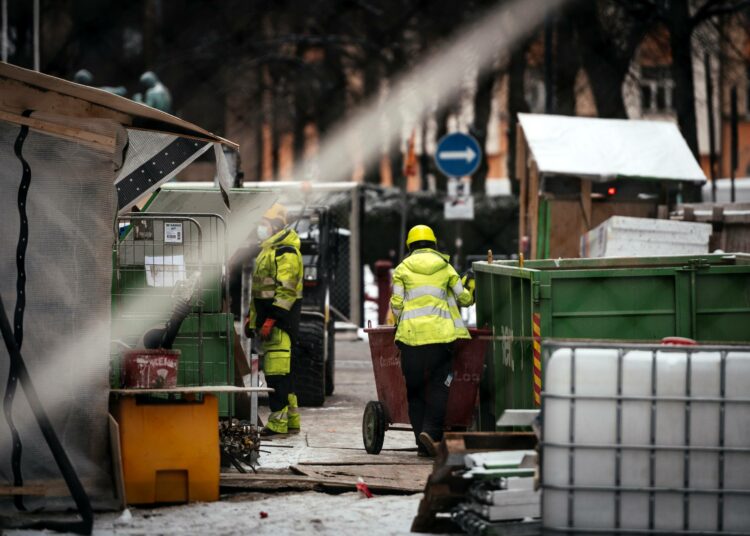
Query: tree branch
point(714, 8)
point(643, 9)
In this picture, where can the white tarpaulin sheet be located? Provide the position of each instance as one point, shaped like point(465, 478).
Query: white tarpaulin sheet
point(604, 149)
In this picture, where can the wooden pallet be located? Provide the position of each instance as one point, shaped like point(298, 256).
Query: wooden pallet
point(445, 487)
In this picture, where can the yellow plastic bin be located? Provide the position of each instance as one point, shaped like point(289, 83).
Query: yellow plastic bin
point(170, 449)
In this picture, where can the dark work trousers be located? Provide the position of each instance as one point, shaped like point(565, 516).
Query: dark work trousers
point(426, 369)
point(281, 384)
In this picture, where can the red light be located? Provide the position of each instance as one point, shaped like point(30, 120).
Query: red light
point(611, 190)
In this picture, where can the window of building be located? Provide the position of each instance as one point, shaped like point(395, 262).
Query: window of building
point(656, 90)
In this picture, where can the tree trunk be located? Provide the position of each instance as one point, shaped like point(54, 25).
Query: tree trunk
point(371, 75)
point(602, 61)
point(482, 109)
point(566, 65)
point(680, 31)
point(393, 68)
point(516, 104)
point(441, 181)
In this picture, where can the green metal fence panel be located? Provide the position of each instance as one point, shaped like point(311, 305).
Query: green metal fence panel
point(705, 297)
point(153, 254)
point(218, 362)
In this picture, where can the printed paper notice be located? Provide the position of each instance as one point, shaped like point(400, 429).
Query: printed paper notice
point(164, 271)
point(172, 232)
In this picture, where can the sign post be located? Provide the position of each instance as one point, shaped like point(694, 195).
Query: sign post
point(458, 156)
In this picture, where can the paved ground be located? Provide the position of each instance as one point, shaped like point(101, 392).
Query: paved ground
point(331, 435)
point(338, 424)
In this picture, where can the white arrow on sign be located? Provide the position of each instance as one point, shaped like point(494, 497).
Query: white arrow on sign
point(467, 154)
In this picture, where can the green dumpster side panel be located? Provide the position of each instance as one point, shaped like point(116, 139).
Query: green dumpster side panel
point(616, 306)
point(722, 304)
point(705, 297)
point(509, 369)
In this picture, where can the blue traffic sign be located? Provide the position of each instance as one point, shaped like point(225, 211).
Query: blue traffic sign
point(458, 155)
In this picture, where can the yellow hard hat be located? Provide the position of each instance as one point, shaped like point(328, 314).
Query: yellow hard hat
point(420, 233)
point(276, 212)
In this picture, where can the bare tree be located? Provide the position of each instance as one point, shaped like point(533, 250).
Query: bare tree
point(608, 35)
point(682, 18)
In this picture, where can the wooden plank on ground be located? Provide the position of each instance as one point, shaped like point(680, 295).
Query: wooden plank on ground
point(409, 478)
point(332, 456)
point(266, 482)
point(318, 478)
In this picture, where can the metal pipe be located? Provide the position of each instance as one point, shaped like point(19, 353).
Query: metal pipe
point(665, 448)
point(646, 398)
point(655, 489)
point(660, 532)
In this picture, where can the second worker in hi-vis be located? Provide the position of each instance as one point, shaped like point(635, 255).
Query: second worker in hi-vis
point(275, 314)
point(427, 292)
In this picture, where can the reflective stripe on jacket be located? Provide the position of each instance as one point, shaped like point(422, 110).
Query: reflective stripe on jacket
point(426, 294)
point(277, 277)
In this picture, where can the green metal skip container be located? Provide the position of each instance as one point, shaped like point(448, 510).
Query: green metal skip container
point(705, 298)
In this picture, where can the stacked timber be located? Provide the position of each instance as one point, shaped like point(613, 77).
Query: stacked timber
point(466, 464)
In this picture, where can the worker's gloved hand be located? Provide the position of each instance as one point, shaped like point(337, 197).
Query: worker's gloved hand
point(467, 280)
point(248, 329)
point(265, 330)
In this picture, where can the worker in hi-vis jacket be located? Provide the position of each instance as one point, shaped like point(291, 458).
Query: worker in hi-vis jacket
point(427, 292)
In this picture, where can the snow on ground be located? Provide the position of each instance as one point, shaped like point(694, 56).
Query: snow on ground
point(289, 513)
point(330, 433)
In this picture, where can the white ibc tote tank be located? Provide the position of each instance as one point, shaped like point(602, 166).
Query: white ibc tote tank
point(646, 438)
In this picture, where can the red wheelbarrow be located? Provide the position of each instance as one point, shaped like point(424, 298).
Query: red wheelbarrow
point(391, 406)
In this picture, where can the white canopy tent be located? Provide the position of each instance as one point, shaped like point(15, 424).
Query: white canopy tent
point(605, 149)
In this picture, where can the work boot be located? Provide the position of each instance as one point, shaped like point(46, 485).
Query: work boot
point(422, 452)
point(293, 414)
point(268, 432)
point(278, 423)
point(428, 443)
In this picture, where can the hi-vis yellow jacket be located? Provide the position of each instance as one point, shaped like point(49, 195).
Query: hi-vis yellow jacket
point(277, 278)
point(426, 294)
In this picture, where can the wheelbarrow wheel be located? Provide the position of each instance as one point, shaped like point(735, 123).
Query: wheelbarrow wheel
point(373, 427)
